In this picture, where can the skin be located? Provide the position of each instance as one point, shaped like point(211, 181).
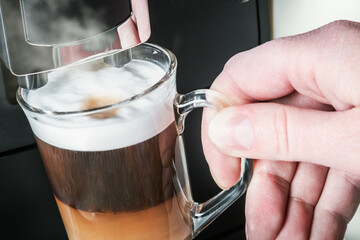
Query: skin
point(296, 111)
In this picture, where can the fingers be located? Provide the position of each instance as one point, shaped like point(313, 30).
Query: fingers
point(337, 205)
point(308, 208)
point(226, 169)
point(279, 132)
point(304, 194)
point(267, 197)
point(301, 197)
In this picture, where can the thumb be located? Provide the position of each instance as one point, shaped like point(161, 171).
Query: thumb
point(280, 132)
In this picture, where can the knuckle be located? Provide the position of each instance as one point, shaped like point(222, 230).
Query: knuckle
point(341, 25)
point(282, 137)
point(353, 180)
point(335, 214)
point(340, 34)
point(302, 201)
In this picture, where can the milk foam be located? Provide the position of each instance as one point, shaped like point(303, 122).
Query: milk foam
point(133, 123)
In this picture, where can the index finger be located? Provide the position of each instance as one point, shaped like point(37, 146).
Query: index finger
point(321, 64)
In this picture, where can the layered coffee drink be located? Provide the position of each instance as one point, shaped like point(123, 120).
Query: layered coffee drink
point(107, 138)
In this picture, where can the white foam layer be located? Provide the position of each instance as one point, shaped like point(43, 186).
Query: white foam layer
point(133, 123)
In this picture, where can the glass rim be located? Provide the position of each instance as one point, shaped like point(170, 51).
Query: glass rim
point(169, 72)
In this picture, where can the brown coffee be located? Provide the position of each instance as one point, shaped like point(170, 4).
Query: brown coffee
point(125, 193)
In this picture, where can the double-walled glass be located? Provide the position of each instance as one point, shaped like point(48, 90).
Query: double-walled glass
point(124, 176)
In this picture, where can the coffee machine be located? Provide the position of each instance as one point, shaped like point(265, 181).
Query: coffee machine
point(39, 36)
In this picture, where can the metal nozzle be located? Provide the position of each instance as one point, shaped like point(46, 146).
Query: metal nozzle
point(33, 81)
point(119, 59)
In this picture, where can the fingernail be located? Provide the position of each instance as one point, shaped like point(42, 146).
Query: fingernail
point(231, 130)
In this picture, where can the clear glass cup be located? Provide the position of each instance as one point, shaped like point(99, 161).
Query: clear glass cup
point(136, 186)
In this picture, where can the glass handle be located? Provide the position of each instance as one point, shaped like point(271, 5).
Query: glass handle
point(202, 214)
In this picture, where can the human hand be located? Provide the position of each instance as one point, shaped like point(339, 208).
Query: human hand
point(296, 103)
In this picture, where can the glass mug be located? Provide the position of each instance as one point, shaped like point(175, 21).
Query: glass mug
point(118, 171)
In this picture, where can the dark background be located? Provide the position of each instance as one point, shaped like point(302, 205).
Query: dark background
point(203, 34)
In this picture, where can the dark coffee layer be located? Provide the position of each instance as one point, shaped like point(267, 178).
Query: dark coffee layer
point(121, 180)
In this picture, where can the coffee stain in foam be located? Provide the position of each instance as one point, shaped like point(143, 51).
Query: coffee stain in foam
point(98, 101)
